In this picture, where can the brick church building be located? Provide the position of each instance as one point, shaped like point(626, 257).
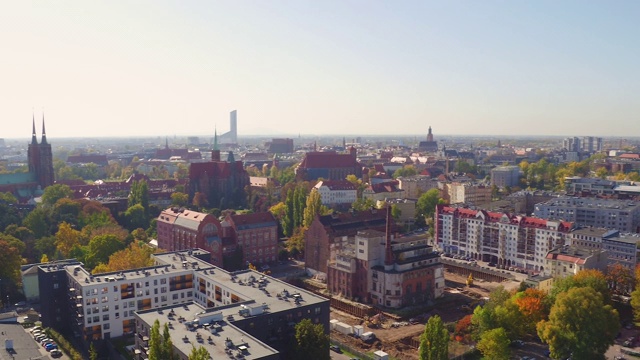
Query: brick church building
point(40, 158)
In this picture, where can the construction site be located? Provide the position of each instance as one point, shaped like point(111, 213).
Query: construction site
point(364, 329)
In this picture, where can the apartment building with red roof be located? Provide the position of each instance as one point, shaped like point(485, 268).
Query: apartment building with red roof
point(337, 192)
point(500, 238)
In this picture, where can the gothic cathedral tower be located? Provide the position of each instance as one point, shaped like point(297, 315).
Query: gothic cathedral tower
point(40, 158)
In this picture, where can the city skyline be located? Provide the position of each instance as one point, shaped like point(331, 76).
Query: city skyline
point(116, 69)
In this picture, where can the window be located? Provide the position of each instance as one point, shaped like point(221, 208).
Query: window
point(106, 326)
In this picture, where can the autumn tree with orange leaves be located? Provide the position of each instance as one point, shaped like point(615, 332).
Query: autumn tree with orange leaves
point(619, 278)
point(137, 255)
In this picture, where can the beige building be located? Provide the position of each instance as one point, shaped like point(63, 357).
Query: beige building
point(468, 193)
point(416, 185)
point(569, 260)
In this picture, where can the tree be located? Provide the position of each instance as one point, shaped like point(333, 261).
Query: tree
point(160, 347)
point(531, 304)
point(434, 341)
point(494, 344)
point(179, 199)
point(200, 200)
point(570, 330)
point(55, 192)
point(11, 261)
point(200, 353)
point(93, 354)
point(100, 248)
point(592, 278)
point(311, 342)
point(66, 238)
point(620, 278)
point(396, 212)
point(312, 208)
point(137, 255)
point(139, 194)
point(136, 217)
point(426, 205)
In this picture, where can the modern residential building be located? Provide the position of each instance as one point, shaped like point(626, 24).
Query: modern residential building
point(566, 260)
point(500, 238)
point(589, 187)
point(622, 215)
point(621, 248)
point(243, 312)
point(502, 176)
point(337, 192)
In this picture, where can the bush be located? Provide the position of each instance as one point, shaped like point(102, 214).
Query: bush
point(64, 345)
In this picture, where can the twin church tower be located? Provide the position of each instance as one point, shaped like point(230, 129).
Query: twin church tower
point(40, 158)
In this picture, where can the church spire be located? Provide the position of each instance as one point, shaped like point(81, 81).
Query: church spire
point(33, 132)
point(44, 132)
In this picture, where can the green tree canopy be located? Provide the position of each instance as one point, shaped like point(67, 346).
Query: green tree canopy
point(100, 248)
point(179, 199)
point(312, 343)
point(494, 344)
point(580, 325)
point(200, 353)
point(55, 192)
point(434, 341)
point(426, 205)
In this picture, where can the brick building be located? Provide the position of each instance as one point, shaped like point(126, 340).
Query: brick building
point(256, 234)
point(329, 165)
point(326, 231)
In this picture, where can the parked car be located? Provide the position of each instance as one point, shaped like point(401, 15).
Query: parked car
point(335, 348)
point(55, 353)
point(51, 346)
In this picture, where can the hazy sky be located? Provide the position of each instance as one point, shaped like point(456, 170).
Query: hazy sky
point(104, 68)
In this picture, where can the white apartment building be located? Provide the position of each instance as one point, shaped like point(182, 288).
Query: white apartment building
point(500, 238)
point(622, 215)
point(336, 192)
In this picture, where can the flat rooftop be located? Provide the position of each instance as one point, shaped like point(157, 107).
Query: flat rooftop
point(191, 325)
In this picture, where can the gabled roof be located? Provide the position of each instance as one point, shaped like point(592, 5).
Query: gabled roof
point(252, 221)
point(328, 159)
point(336, 185)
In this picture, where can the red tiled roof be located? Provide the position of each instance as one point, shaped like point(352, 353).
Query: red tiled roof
point(255, 218)
point(327, 159)
point(338, 185)
point(219, 169)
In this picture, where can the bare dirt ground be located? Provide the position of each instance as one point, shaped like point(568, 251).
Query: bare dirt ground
point(459, 300)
